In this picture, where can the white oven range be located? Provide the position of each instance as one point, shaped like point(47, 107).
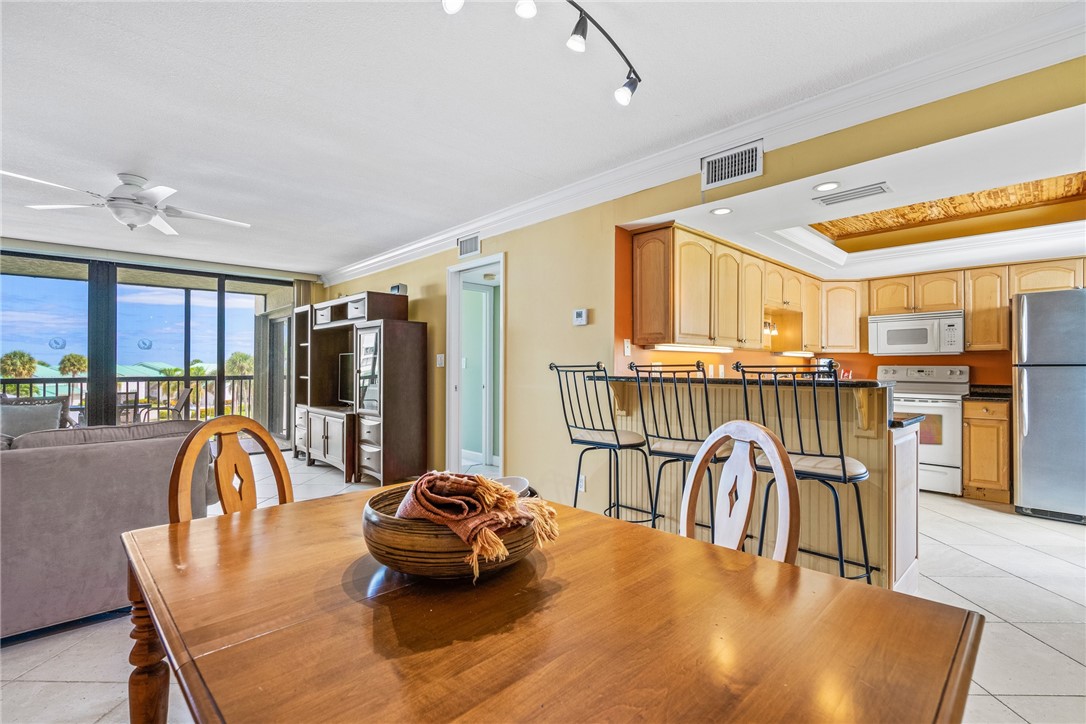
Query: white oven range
point(935, 392)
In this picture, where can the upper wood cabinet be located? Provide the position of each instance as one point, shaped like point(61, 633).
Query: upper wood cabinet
point(987, 309)
point(693, 288)
point(729, 297)
point(752, 304)
point(936, 292)
point(842, 307)
point(811, 305)
point(1046, 276)
point(783, 287)
point(652, 297)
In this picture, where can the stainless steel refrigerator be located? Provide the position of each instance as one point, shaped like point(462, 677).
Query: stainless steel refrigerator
point(1050, 404)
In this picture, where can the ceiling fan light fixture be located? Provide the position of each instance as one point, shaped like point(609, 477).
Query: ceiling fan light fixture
point(624, 94)
point(452, 7)
point(576, 41)
point(827, 186)
point(525, 9)
point(130, 213)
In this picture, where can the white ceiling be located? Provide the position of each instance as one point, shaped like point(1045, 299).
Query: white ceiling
point(343, 130)
point(775, 221)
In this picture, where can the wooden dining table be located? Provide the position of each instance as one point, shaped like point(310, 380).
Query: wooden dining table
point(280, 614)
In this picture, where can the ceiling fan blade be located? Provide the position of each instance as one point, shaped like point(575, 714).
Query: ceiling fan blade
point(48, 183)
point(155, 195)
point(45, 207)
point(175, 212)
point(159, 223)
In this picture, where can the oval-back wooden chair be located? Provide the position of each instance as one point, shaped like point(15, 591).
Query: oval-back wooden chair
point(736, 494)
point(234, 477)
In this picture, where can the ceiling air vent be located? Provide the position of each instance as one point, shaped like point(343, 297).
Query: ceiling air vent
point(467, 246)
point(861, 192)
point(733, 165)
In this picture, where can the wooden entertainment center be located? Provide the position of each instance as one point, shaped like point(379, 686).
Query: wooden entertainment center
point(359, 370)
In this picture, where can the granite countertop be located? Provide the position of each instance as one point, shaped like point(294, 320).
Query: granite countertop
point(845, 384)
point(996, 393)
point(904, 419)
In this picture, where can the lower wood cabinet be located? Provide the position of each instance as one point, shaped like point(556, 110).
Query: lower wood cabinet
point(986, 450)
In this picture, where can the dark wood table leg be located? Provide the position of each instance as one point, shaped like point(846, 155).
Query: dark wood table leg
point(149, 684)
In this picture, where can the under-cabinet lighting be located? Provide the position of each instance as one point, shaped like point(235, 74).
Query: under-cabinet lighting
point(688, 348)
point(796, 354)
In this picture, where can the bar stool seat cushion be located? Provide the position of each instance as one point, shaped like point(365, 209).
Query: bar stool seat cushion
point(626, 438)
point(818, 467)
point(688, 449)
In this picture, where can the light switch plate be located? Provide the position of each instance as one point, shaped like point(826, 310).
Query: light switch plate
point(626, 350)
point(441, 360)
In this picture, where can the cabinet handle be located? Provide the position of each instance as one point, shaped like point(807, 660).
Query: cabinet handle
point(984, 410)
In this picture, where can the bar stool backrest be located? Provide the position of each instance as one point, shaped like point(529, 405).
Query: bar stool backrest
point(587, 404)
point(674, 403)
point(782, 398)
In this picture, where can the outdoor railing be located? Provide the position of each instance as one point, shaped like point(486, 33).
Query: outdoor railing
point(143, 398)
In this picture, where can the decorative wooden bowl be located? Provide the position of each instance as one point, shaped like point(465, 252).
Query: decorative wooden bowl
point(423, 548)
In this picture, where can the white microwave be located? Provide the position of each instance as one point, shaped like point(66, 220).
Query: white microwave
point(922, 333)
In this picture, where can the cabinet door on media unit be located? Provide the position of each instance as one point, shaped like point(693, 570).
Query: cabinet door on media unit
point(335, 448)
point(693, 288)
point(893, 295)
point(652, 295)
point(987, 309)
point(1046, 276)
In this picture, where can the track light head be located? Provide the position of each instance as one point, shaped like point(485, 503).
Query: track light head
point(525, 9)
point(576, 40)
point(452, 7)
point(625, 94)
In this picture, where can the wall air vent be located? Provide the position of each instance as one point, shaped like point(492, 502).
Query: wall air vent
point(861, 192)
point(733, 165)
point(468, 246)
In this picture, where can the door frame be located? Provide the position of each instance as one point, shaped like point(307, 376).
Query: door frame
point(452, 360)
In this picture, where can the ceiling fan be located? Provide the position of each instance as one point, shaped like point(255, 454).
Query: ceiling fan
point(132, 204)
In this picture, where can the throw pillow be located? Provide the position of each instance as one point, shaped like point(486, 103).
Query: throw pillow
point(5, 442)
point(18, 419)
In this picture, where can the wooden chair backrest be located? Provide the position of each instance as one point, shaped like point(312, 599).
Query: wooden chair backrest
point(234, 477)
point(735, 496)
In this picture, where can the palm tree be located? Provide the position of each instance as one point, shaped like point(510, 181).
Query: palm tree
point(237, 365)
point(18, 364)
point(73, 364)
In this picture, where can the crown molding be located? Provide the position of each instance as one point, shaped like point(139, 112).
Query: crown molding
point(1049, 39)
point(1001, 247)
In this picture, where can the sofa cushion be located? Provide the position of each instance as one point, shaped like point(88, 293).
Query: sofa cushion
point(103, 433)
point(16, 420)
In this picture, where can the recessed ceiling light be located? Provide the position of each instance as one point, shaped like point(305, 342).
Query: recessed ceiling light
point(828, 186)
point(720, 212)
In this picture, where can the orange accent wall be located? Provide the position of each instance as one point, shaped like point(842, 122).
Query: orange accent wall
point(986, 368)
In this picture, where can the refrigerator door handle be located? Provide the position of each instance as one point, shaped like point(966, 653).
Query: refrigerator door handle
point(1022, 343)
point(1025, 401)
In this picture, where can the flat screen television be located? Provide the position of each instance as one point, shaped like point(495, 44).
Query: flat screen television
point(346, 378)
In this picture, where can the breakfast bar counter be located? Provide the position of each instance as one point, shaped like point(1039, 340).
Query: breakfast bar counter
point(887, 447)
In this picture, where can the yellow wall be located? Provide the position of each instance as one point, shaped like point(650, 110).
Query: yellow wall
point(561, 264)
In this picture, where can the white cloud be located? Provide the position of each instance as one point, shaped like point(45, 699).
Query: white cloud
point(38, 319)
point(176, 298)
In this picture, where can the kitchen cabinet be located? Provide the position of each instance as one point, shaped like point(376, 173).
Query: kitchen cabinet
point(987, 309)
point(986, 450)
point(811, 305)
point(842, 308)
point(688, 289)
point(783, 287)
point(694, 258)
point(330, 438)
point(1046, 276)
point(936, 292)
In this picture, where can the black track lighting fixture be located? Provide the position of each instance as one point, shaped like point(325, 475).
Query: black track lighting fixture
point(577, 41)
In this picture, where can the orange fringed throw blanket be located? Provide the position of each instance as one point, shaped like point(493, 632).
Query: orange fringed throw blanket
point(476, 508)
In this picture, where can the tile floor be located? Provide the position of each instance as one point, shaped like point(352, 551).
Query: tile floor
point(1027, 576)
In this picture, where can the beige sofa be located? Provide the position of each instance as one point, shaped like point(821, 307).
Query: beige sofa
point(65, 498)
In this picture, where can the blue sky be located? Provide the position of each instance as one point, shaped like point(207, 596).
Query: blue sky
point(36, 311)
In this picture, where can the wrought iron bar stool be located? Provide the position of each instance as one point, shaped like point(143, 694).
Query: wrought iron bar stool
point(781, 395)
point(588, 408)
point(676, 418)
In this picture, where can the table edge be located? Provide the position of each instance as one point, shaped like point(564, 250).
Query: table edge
point(960, 674)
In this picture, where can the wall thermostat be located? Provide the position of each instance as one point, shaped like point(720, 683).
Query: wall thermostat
point(580, 317)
